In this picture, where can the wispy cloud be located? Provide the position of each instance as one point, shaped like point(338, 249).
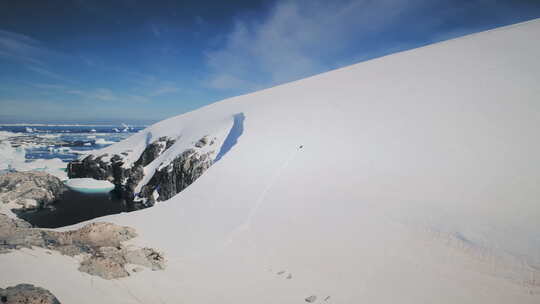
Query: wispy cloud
point(21, 48)
point(294, 39)
point(49, 86)
point(164, 89)
point(107, 95)
point(30, 54)
point(300, 38)
point(99, 94)
point(46, 72)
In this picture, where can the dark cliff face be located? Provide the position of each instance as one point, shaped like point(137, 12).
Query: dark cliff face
point(168, 180)
point(154, 150)
point(176, 176)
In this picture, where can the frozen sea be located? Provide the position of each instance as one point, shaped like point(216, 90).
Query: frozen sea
point(65, 142)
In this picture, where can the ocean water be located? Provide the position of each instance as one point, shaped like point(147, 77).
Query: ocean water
point(49, 148)
point(64, 142)
point(75, 207)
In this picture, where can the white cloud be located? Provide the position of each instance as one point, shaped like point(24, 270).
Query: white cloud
point(294, 39)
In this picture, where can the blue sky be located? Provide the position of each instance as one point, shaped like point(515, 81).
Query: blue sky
point(131, 60)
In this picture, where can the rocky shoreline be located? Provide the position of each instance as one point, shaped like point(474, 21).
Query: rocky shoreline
point(100, 244)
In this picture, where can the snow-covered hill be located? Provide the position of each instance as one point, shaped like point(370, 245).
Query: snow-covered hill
point(411, 178)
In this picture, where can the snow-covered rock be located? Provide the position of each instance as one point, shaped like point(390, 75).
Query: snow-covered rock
point(161, 167)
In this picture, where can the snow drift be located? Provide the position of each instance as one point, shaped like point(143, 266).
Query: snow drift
point(417, 182)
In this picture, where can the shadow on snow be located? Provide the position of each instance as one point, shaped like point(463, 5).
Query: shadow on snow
point(235, 132)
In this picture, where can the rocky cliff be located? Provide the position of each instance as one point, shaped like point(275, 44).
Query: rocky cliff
point(166, 180)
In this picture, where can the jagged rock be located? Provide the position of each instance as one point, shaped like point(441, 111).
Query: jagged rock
point(100, 243)
point(125, 178)
point(202, 142)
point(30, 189)
point(154, 150)
point(27, 294)
point(176, 176)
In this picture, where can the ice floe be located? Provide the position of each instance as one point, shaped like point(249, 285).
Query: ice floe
point(89, 185)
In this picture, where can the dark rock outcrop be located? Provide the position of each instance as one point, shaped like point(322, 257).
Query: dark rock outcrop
point(168, 179)
point(93, 167)
point(176, 176)
point(154, 150)
point(30, 189)
point(27, 294)
point(113, 169)
point(101, 244)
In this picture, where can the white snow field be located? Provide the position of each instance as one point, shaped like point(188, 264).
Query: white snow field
point(418, 182)
point(89, 185)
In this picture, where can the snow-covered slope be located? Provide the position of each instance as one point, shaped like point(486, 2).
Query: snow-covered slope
point(417, 182)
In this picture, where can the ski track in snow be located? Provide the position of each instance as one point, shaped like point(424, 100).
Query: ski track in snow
point(247, 223)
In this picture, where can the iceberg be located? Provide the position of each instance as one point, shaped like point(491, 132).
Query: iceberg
point(14, 159)
point(89, 185)
point(103, 141)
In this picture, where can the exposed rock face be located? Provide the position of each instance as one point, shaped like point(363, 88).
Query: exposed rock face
point(110, 262)
point(17, 234)
point(168, 179)
point(125, 178)
point(93, 167)
point(176, 176)
point(100, 243)
point(30, 189)
point(27, 294)
point(154, 150)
